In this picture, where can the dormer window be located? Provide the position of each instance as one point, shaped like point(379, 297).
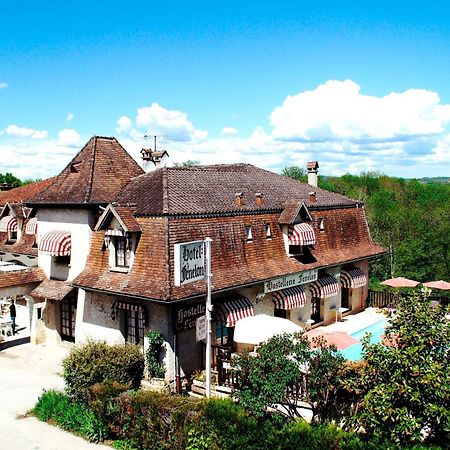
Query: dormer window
point(248, 233)
point(119, 244)
point(299, 236)
point(12, 237)
point(121, 253)
point(8, 224)
point(268, 231)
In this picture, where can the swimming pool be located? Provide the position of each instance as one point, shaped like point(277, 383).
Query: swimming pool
point(354, 352)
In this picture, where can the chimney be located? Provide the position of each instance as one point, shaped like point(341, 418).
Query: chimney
point(313, 169)
point(5, 186)
point(259, 199)
point(153, 160)
point(239, 199)
point(312, 197)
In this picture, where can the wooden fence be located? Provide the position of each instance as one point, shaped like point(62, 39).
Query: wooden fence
point(384, 299)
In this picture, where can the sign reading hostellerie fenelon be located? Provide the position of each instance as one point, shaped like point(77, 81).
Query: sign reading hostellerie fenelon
point(276, 284)
point(189, 262)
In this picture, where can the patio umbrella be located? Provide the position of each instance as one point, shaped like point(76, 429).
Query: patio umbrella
point(441, 284)
point(400, 282)
point(338, 338)
point(257, 329)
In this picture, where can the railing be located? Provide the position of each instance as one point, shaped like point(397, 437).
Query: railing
point(221, 363)
point(383, 299)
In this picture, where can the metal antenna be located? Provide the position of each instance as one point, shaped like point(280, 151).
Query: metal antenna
point(155, 137)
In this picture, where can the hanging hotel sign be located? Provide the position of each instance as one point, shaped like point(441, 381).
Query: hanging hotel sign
point(189, 262)
point(187, 315)
point(276, 284)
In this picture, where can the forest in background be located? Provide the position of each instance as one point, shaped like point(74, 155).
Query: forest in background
point(411, 218)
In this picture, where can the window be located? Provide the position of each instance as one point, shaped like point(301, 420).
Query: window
point(12, 237)
point(134, 327)
point(322, 224)
point(64, 260)
point(280, 313)
point(122, 253)
point(68, 318)
point(248, 233)
point(268, 231)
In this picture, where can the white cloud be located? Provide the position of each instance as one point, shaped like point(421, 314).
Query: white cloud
point(336, 110)
point(68, 137)
point(229, 131)
point(14, 130)
point(157, 120)
point(3, 85)
point(69, 117)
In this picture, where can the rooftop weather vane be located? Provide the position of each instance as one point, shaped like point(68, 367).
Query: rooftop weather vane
point(155, 136)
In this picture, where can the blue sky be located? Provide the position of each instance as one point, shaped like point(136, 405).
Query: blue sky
point(356, 85)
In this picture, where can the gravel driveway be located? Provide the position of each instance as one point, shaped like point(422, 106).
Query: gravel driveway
point(25, 371)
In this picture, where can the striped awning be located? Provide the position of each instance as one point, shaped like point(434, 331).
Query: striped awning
point(325, 287)
point(125, 306)
point(233, 310)
point(56, 243)
point(112, 233)
point(8, 223)
point(294, 297)
point(354, 278)
point(301, 234)
point(31, 226)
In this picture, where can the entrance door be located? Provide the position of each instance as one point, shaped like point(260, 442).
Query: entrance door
point(315, 309)
point(68, 318)
point(344, 298)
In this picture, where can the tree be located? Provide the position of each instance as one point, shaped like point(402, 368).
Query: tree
point(286, 371)
point(10, 178)
point(404, 387)
point(188, 163)
point(295, 172)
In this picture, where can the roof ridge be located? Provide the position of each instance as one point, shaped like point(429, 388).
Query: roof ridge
point(91, 171)
point(165, 192)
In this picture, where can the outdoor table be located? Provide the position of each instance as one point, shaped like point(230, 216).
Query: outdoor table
point(6, 326)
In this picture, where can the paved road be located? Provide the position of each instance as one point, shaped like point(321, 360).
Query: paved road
point(25, 371)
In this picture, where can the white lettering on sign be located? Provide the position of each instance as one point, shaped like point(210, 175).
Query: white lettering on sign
point(276, 284)
point(200, 330)
point(189, 262)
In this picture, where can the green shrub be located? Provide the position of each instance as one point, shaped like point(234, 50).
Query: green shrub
point(97, 362)
point(153, 354)
point(57, 407)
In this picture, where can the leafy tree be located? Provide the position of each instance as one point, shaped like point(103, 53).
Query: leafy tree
point(188, 163)
point(404, 388)
point(10, 178)
point(296, 173)
point(286, 371)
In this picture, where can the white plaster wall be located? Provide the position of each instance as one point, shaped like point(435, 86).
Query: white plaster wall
point(79, 222)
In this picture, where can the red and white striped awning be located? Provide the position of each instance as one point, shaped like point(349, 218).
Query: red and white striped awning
point(354, 278)
point(8, 223)
point(325, 287)
point(230, 312)
point(294, 297)
point(301, 234)
point(125, 306)
point(56, 243)
point(31, 226)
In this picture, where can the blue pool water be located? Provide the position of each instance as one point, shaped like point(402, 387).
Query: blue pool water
point(354, 353)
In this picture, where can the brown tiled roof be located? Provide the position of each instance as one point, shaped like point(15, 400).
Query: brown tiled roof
point(24, 246)
point(95, 175)
point(290, 212)
point(24, 193)
point(234, 261)
point(211, 190)
point(52, 290)
point(19, 277)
